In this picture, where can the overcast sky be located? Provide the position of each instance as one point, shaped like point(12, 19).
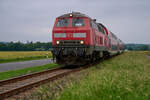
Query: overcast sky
point(32, 20)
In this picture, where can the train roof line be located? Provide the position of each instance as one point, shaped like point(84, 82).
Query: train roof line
point(101, 25)
point(74, 14)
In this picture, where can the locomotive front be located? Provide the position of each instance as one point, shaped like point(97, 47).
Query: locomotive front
point(70, 38)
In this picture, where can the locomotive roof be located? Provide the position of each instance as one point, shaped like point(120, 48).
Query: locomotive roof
point(74, 14)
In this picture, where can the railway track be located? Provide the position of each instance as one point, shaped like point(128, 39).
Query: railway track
point(16, 85)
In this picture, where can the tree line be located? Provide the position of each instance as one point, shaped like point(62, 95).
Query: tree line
point(137, 47)
point(30, 46)
point(42, 46)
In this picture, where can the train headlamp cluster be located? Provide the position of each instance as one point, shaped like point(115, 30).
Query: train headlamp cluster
point(81, 42)
point(57, 42)
point(70, 15)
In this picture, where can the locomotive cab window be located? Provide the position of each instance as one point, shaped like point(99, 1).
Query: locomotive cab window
point(62, 23)
point(77, 22)
point(94, 25)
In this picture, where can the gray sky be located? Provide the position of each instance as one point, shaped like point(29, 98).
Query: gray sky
point(32, 20)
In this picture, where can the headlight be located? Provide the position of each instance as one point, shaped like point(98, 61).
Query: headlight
point(71, 15)
point(57, 42)
point(81, 42)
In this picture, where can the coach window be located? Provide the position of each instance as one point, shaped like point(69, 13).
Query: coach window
point(62, 23)
point(103, 31)
point(77, 22)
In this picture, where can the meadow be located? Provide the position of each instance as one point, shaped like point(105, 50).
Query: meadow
point(124, 77)
point(23, 56)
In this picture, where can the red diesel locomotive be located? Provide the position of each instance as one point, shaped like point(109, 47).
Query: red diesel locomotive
point(78, 39)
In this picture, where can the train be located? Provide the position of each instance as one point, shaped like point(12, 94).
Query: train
point(78, 39)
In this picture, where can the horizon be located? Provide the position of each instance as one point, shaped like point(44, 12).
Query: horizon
point(51, 42)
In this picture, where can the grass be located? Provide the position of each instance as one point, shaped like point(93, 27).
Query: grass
point(19, 72)
point(125, 77)
point(23, 56)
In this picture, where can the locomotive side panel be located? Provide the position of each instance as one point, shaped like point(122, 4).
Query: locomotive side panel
point(99, 37)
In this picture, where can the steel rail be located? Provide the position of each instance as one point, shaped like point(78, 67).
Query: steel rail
point(7, 87)
point(12, 80)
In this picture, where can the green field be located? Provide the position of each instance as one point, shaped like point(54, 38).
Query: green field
point(23, 56)
point(19, 72)
point(124, 77)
